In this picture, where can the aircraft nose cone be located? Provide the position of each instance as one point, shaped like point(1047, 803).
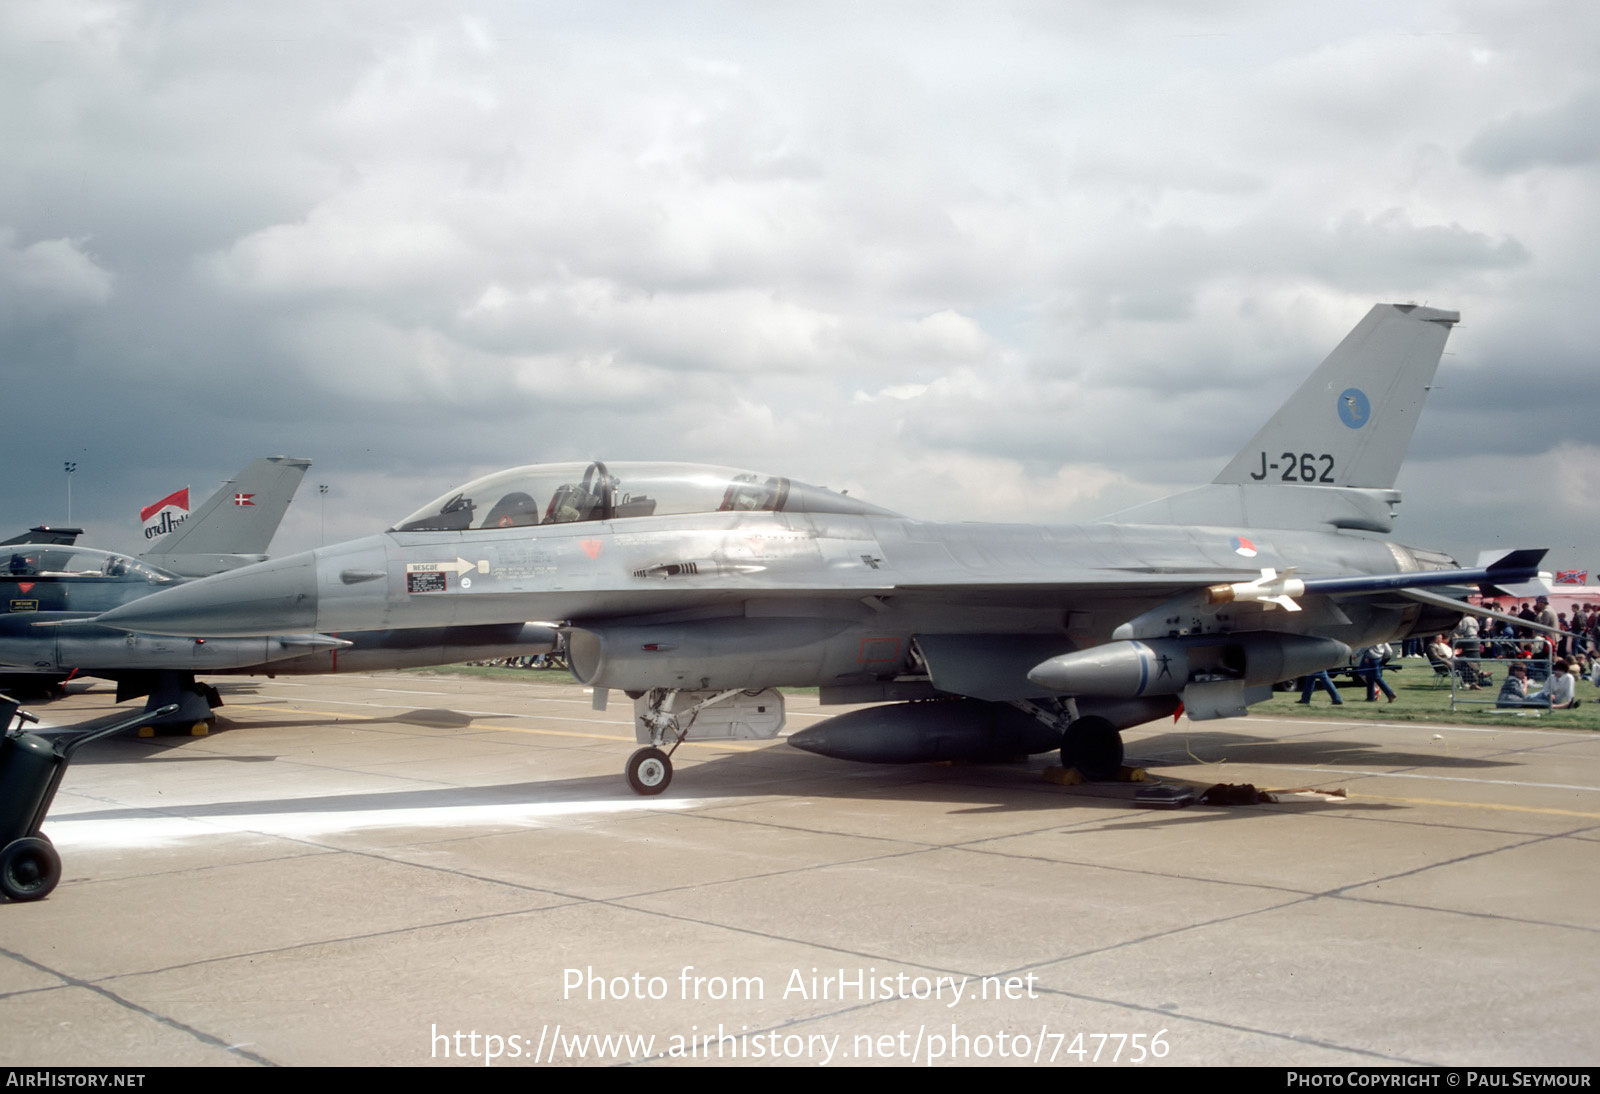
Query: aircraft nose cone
point(276, 597)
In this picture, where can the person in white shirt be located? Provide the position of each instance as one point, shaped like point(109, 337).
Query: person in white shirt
point(1561, 689)
point(1441, 653)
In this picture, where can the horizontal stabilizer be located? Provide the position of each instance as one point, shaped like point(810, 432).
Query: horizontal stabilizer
point(1523, 558)
point(1508, 574)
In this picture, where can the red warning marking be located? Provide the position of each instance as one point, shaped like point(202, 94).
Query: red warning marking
point(878, 649)
point(25, 586)
point(591, 547)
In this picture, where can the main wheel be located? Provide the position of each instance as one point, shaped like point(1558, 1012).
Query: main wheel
point(1094, 747)
point(29, 868)
point(649, 771)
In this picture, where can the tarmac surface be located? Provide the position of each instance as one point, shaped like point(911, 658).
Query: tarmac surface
point(421, 869)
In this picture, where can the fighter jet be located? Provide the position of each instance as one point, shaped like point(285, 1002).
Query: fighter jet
point(700, 590)
point(50, 591)
point(44, 577)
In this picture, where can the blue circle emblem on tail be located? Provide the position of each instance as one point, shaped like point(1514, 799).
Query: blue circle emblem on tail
point(1354, 407)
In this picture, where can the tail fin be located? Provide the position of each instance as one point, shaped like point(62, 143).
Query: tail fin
point(234, 526)
point(1330, 455)
point(43, 533)
point(1351, 421)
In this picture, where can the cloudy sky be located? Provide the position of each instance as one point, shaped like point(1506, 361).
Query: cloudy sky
point(1036, 260)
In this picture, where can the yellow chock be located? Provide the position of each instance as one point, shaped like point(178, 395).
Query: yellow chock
point(1063, 776)
point(199, 729)
point(147, 731)
point(1132, 774)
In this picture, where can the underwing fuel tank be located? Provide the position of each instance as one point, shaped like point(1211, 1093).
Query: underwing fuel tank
point(925, 732)
point(958, 729)
point(1165, 666)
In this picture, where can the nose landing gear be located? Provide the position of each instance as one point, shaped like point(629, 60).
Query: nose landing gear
point(649, 771)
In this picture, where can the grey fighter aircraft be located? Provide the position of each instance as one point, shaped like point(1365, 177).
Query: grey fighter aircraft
point(44, 577)
point(50, 591)
point(700, 590)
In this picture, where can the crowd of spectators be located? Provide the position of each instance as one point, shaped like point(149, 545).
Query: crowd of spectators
point(1477, 644)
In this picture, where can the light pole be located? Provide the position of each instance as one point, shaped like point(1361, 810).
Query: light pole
point(323, 490)
point(71, 467)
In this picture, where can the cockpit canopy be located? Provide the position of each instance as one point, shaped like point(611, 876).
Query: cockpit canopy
point(49, 562)
point(562, 493)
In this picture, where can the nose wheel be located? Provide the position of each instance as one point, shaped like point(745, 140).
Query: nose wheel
point(649, 771)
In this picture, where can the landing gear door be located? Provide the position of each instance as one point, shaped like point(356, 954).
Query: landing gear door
point(748, 716)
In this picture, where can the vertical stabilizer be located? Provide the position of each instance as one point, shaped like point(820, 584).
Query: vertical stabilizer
point(1330, 456)
point(1351, 422)
point(235, 525)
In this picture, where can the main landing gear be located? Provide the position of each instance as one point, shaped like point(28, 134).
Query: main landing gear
point(190, 701)
point(1093, 746)
point(1090, 744)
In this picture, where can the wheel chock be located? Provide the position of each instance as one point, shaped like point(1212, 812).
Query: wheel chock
point(1063, 776)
